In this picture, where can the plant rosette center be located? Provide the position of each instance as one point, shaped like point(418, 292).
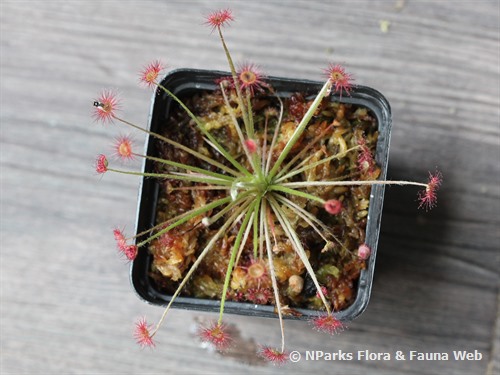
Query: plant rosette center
point(258, 186)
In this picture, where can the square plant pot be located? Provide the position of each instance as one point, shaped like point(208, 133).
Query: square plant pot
point(184, 82)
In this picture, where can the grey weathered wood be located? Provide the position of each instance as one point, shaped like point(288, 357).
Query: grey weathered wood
point(66, 304)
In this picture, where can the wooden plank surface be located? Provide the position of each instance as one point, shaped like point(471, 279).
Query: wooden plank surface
point(66, 303)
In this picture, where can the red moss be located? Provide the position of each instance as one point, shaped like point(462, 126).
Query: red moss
point(297, 107)
point(260, 296)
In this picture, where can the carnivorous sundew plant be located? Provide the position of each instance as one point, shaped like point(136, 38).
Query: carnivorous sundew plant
point(263, 197)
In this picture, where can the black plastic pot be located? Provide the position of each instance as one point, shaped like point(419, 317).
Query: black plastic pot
point(187, 81)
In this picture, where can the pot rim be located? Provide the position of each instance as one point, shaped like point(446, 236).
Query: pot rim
point(178, 81)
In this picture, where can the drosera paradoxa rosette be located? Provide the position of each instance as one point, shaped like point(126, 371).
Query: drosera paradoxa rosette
point(255, 198)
